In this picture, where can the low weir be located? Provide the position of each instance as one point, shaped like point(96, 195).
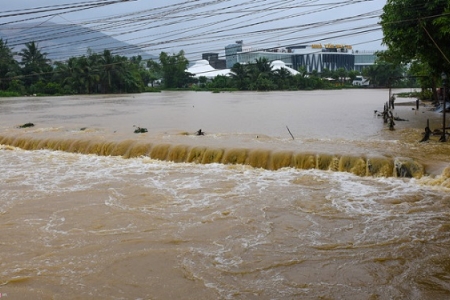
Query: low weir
point(257, 158)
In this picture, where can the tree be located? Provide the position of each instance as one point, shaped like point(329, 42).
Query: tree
point(240, 76)
point(65, 74)
point(352, 75)
point(421, 72)
point(202, 80)
point(326, 73)
point(418, 30)
point(173, 69)
point(129, 80)
point(261, 75)
point(9, 68)
point(120, 74)
point(282, 78)
point(263, 83)
point(263, 65)
point(219, 82)
point(87, 73)
point(154, 71)
point(35, 63)
point(110, 69)
point(383, 73)
point(341, 74)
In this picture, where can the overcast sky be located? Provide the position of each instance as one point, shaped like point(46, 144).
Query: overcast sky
point(199, 26)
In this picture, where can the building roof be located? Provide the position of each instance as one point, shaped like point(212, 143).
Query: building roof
point(278, 64)
point(203, 68)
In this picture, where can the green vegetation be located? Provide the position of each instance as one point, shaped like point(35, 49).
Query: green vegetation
point(259, 76)
point(417, 34)
point(105, 73)
point(90, 73)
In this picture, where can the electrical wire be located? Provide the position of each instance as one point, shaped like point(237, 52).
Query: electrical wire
point(256, 20)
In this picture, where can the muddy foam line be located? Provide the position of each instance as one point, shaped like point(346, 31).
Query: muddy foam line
point(257, 158)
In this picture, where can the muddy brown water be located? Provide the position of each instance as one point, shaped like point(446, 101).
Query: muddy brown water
point(91, 210)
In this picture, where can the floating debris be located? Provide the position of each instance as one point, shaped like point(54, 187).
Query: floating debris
point(140, 130)
point(26, 125)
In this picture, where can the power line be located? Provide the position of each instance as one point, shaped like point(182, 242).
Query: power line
point(226, 22)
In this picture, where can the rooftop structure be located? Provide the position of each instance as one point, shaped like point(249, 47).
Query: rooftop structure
point(203, 68)
point(231, 52)
point(278, 64)
point(314, 57)
point(214, 61)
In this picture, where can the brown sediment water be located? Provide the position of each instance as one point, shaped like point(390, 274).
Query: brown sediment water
point(257, 158)
point(346, 210)
point(242, 128)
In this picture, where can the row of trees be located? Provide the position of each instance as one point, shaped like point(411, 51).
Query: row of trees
point(417, 33)
point(260, 76)
point(108, 73)
point(91, 73)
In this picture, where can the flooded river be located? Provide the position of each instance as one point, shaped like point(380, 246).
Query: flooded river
point(288, 195)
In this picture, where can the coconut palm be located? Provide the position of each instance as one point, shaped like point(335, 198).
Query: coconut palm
point(66, 74)
point(87, 73)
point(282, 78)
point(262, 74)
point(263, 66)
point(111, 70)
point(8, 66)
point(240, 76)
point(35, 63)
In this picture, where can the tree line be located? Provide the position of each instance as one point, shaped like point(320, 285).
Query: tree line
point(103, 72)
point(417, 34)
point(34, 73)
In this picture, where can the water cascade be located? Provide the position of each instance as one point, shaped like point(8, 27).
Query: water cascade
point(257, 158)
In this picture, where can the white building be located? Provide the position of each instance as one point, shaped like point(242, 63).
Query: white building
point(278, 64)
point(203, 68)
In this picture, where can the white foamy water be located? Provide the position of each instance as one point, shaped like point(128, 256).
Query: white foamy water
point(105, 227)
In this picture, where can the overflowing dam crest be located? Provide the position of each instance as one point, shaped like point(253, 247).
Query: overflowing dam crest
point(257, 158)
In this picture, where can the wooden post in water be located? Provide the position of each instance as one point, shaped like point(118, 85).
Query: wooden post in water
point(290, 132)
point(389, 99)
point(427, 132)
point(444, 83)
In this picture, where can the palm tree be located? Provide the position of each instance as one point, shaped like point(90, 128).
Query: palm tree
point(8, 65)
point(66, 74)
point(125, 75)
point(262, 74)
point(263, 66)
point(282, 77)
point(154, 71)
point(87, 73)
point(240, 76)
point(35, 63)
point(112, 69)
